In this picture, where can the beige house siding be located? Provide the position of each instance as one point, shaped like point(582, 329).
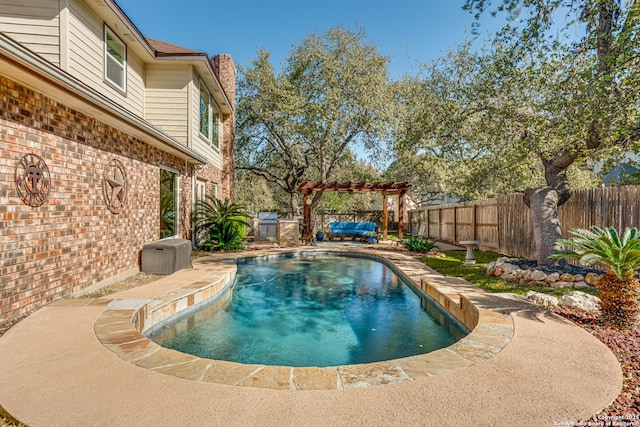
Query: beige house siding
point(33, 23)
point(200, 144)
point(167, 99)
point(86, 59)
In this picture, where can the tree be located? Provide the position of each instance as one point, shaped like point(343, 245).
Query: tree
point(352, 170)
point(297, 124)
point(461, 122)
point(255, 194)
point(583, 101)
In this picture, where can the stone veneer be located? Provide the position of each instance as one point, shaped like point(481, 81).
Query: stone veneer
point(120, 329)
point(72, 241)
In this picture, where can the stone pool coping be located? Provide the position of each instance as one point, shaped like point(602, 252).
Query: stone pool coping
point(55, 372)
point(120, 328)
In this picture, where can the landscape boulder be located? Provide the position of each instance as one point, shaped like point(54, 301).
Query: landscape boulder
point(553, 277)
point(592, 279)
point(561, 284)
point(541, 299)
point(581, 300)
point(566, 277)
point(538, 276)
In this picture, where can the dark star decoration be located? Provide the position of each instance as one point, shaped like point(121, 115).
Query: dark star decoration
point(114, 186)
point(117, 185)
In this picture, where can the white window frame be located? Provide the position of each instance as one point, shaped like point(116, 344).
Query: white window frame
point(115, 61)
point(208, 104)
point(201, 189)
point(213, 126)
point(215, 139)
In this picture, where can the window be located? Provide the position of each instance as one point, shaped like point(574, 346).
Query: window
point(209, 117)
point(214, 132)
point(201, 189)
point(115, 60)
point(205, 112)
point(199, 233)
point(168, 203)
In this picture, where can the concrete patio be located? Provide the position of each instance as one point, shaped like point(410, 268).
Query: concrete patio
point(56, 372)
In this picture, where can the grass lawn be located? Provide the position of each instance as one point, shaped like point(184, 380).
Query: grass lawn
point(452, 265)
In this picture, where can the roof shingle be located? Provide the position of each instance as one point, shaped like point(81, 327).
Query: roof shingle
point(168, 49)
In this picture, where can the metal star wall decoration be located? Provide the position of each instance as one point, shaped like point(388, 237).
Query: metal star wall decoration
point(114, 186)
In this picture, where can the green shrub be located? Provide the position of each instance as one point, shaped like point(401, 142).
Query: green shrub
point(220, 225)
point(223, 237)
point(419, 244)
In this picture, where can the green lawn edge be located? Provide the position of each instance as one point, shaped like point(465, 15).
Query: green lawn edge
point(452, 265)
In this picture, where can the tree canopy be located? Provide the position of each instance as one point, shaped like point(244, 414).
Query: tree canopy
point(298, 124)
point(535, 99)
point(584, 98)
point(533, 110)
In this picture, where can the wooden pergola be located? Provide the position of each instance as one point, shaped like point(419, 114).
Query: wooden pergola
point(386, 188)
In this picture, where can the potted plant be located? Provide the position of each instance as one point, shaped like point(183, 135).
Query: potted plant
point(319, 235)
point(372, 237)
point(620, 255)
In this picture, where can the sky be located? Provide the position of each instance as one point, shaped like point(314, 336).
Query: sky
point(411, 32)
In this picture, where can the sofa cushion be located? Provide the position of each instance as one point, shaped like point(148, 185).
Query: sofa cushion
point(356, 228)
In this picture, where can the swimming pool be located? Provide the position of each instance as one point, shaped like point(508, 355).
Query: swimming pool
point(312, 309)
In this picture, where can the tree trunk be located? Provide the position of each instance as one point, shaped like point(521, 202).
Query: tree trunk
point(543, 204)
point(295, 203)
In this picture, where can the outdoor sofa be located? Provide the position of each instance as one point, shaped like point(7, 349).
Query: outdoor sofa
point(344, 229)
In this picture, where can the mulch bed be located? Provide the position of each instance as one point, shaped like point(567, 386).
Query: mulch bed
point(626, 347)
point(8, 324)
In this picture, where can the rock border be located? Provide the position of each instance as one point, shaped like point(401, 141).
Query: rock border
point(512, 273)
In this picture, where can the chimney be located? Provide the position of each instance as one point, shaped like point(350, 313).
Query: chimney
point(225, 71)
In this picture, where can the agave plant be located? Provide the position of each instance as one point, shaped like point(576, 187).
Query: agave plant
point(221, 223)
point(619, 287)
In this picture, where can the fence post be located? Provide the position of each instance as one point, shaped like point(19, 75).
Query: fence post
point(455, 225)
point(474, 222)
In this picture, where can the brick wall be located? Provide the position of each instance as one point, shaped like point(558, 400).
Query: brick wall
point(72, 241)
point(212, 175)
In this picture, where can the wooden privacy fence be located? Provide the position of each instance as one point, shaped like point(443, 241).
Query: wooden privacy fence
point(504, 224)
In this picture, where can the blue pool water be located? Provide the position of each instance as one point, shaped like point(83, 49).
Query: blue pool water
point(312, 310)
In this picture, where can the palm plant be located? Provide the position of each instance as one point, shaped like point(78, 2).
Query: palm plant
point(221, 223)
point(619, 287)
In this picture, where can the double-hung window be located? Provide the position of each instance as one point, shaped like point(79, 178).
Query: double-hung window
point(208, 117)
point(115, 60)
